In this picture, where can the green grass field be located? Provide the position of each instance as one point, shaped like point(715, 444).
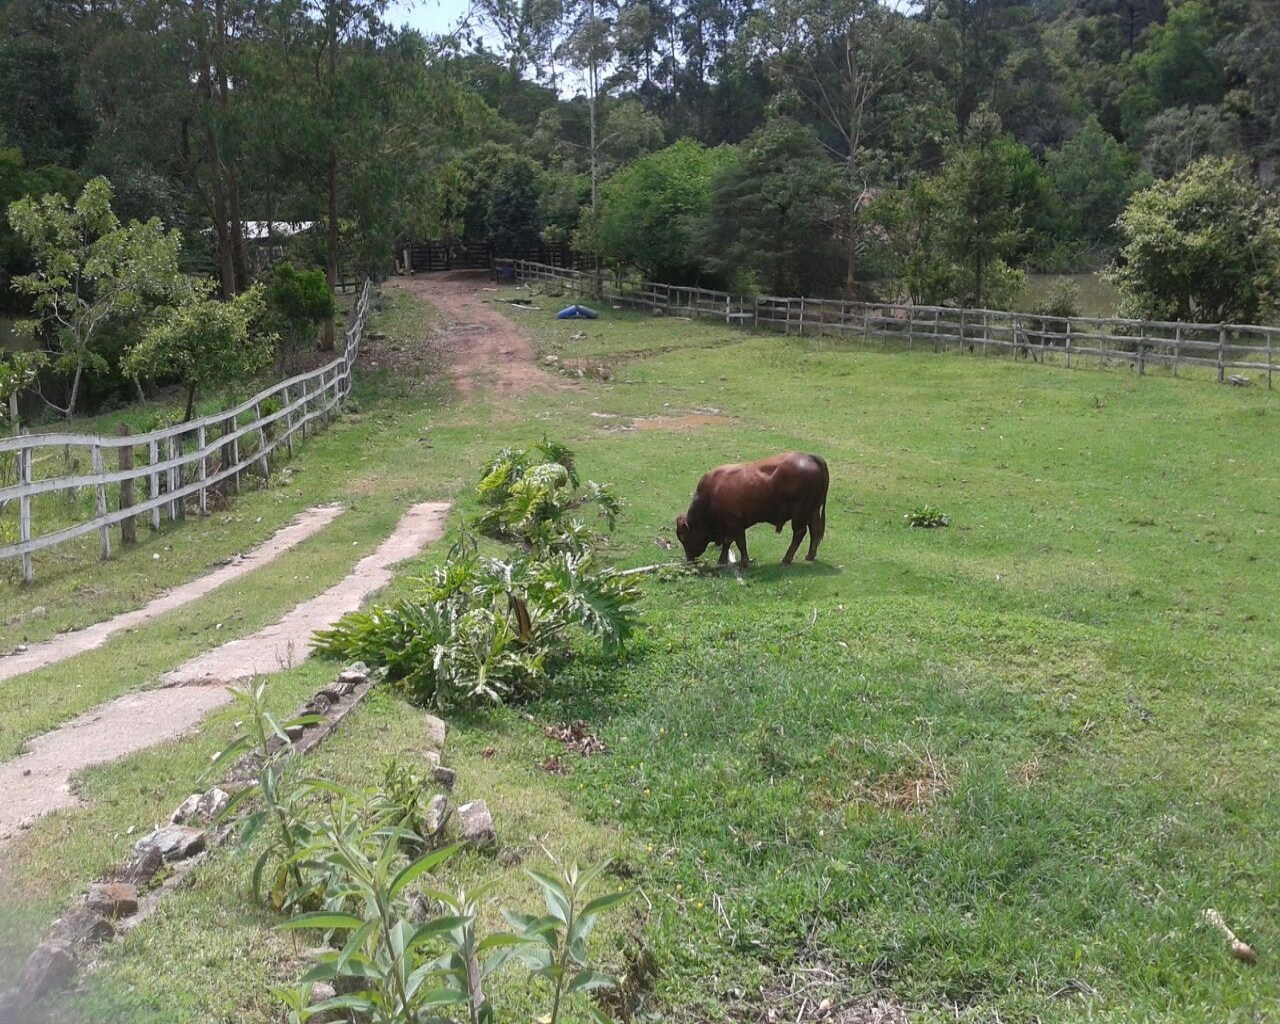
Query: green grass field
point(997, 769)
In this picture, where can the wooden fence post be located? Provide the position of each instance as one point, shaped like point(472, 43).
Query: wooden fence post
point(288, 425)
point(1222, 352)
point(1067, 346)
point(1142, 351)
point(264, 464)
point(1177, 346)
point(104, 531)
point(1268, 360)
point(153, 481)
point(24, 509)
point(960, 347)
point(202, 439)
point(936, 316)
point(802, 316)
point(232, 425)
point(128, 528)
point(176, 506)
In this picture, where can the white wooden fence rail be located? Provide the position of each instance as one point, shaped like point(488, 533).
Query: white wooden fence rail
point(209, 454)
point(1224, 348)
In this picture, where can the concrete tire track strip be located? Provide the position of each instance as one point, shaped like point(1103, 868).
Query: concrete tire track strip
point(68, 645)
point(38, 781)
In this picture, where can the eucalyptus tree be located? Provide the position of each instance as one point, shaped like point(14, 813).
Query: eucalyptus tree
point(837, 61)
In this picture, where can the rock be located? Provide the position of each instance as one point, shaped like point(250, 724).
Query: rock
point(213, 803)
point(435, 733)
point(475, 825)
point(433, 758)
point(294, 732)
point(329, 694)
point(10, 1003)
point(81, 926)
point(141, 866)
point(437, 815)
point(38, 611)
point(175, 842)
point(354, 674)
point(49, 969)
point(321, 992)
point(551, 360)
point(112, 899)
point(185, 809)
point(443, 776)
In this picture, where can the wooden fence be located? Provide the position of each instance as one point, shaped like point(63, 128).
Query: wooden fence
point(154, 474)
point(1222, 348)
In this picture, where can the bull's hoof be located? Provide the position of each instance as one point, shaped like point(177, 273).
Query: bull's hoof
point(786, 561)
point(809, 558)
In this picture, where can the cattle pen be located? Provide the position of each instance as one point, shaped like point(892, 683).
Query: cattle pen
point(1225, 351)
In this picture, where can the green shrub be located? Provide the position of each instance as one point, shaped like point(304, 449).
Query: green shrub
point(483, 630)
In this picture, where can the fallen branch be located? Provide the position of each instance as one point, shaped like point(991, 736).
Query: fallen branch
point(1240, 950)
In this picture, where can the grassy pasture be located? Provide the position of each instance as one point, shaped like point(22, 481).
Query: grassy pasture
point(998, 769)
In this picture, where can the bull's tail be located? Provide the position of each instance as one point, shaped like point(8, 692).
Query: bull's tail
point(819, 527)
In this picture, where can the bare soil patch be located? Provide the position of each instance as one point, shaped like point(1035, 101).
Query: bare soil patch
point(488, 353)
point(39, 781)
point(818, 993)
point(68, 645)
point(690, 422)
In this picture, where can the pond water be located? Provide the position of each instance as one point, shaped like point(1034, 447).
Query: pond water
point(1097, 297)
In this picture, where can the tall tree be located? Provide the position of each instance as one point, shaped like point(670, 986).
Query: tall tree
point(838, 61)
point(980, 225)
point(773, 214)
point(1204, 246)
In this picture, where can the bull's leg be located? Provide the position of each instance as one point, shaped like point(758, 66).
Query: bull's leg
point(798, 528)
point(817, 529)
point(724, 553)
point(742, 547)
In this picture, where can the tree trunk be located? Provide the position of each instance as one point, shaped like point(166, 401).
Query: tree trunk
point(226, 265)
point(239, 258)
point(191, 402)
point(75, 391)
point(331, 255)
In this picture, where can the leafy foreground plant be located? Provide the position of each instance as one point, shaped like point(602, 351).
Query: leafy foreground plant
point(408, 972)
point(281, 812)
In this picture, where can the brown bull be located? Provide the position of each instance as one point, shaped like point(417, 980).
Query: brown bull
point(791, 487)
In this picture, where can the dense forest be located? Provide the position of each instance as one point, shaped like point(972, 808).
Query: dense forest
point(929, 151)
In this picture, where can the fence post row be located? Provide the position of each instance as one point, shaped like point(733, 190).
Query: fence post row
point(971, 326)
point(165, 471)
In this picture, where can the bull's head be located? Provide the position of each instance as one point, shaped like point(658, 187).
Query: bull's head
point(693, 540)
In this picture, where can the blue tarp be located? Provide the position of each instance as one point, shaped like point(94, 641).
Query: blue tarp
point(577, 313)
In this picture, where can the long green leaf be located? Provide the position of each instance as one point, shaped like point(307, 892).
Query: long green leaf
point(420, 866)
point(324, 919)
point(438, 926)
point(587, 980)
point(603, 903)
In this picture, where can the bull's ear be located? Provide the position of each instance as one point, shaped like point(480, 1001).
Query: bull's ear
point(682, 521)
